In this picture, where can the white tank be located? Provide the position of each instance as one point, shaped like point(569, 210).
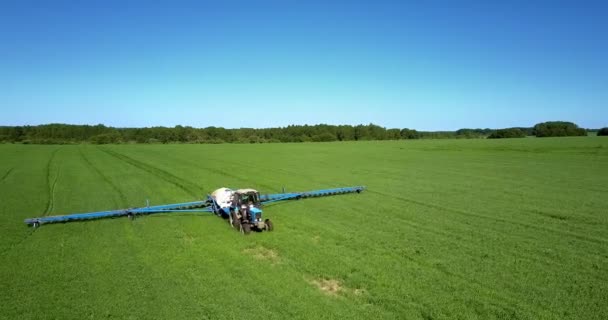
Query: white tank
point(223, 197)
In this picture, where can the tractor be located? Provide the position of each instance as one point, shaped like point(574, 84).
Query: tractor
point(241, 207)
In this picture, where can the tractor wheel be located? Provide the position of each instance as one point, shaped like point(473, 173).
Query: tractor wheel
point(268, 225)
point(236, 222)
point(246, 228)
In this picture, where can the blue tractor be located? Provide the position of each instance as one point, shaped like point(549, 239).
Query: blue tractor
point(242, 207)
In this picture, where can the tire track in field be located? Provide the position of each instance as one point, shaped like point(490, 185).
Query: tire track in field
point(8, 172)
point(464, 242)
point(306, 177)
point(50, 204)
point(505, 300)
point(15, 245)
point(502, 300)
point(581, 237)
point(160, 173)
point(492, 180)
point(233, 176)
point(226, 173)
point(123, 198)
point(457, 189)
point(524, 236)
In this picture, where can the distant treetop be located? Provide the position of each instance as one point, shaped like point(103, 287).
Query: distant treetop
point(507, 133)
point(558, 129)
point(57, 133)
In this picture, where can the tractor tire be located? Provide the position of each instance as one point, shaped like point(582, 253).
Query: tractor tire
point(246, 228)
point(268, 225)
point(236, 222)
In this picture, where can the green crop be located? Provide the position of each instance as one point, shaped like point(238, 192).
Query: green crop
point(448, 229)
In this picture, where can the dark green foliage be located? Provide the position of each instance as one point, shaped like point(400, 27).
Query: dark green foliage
point(100, 134)
point(106, 138)
point(437, 134)
point(393, 134)
point(528, 131)
point(458, 134)
point(473, 133)
point(558, 129)
point(409, 134)
point(507, 133)
point(324, 137)
point(603, 132)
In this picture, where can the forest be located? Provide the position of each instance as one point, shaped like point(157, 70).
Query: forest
point(100, 134)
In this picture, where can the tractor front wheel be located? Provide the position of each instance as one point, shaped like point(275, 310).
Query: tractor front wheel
point(236, 222)
point(268, 225)
point(246, 228)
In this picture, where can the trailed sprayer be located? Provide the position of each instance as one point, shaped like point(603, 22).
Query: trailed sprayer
point(241, 207)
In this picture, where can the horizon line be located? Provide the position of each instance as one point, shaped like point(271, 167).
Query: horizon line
point(285, 126)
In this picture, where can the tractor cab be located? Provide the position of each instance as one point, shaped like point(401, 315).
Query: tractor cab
point(247, 197)
point(247, 203)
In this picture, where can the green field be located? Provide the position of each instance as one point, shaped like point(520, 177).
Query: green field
point(452, 229)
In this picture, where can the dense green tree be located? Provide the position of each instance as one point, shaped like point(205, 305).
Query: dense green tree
point(507, 133)
point(63, 133)
point(437, 134)
point(106, 138)
point(393, 134)
point(410, 134)
point(603, 132)
point(345, 133)
point(473, 133)
point(360, 132)
point(558, 129)
point(16, 134)
point(324, 137)
point(529, 131)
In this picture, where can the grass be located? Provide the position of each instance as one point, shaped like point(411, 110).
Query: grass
point(454, 229)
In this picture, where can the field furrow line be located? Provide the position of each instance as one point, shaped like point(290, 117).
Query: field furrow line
point(226, 172)
point(290, 173)
point(123, 198)
point(233, 176)
point(593, 240)
point(511, 251)
point(505, 300)
point(49, 204)
point(15, 245)
point(51, 184)
point(456, 236)
point(492, 180)
point(8, 172)
point(160, 173)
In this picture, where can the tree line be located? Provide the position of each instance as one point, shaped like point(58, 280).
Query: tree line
point(101, 134)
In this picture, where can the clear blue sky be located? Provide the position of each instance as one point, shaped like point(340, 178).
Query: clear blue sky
point(427, 65)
